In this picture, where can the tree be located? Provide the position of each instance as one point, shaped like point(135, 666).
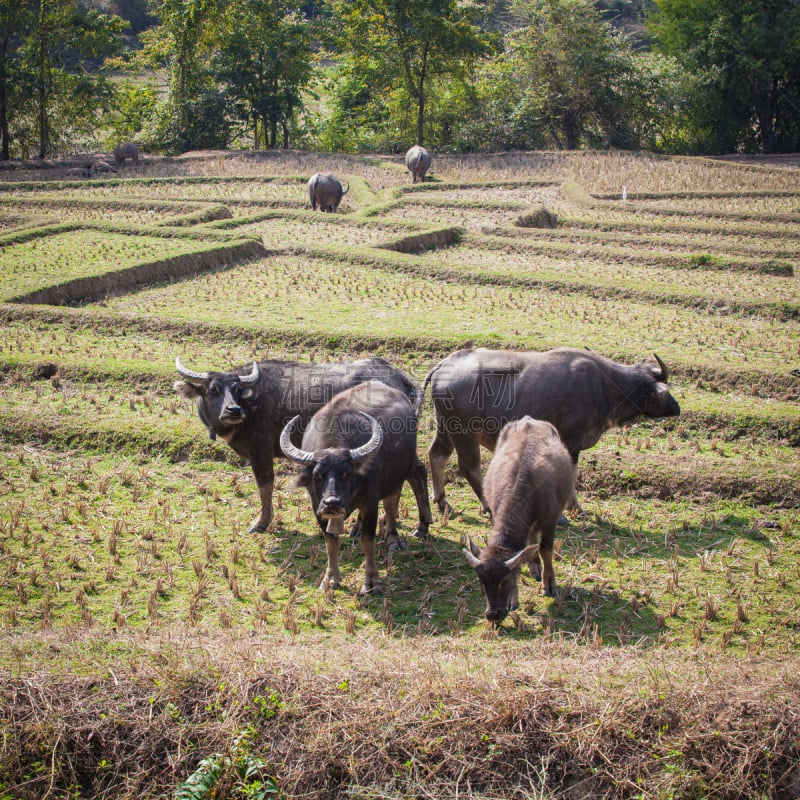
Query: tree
point(410, 42)
point(749, 52)
point(569, 74)
point(182, 46)
point(16, 19)
point(49, 53)
point(265, 60)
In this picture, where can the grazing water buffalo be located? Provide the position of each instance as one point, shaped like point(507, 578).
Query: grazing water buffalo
point(358, 450)
point(249, 406)
point(476, 392)
point(80, 172)
point(127, 150)
point(418, 162)
point(102, 168)
point(325, 190)
point(528, 483)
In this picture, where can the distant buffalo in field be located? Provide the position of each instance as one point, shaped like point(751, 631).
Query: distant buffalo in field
point(418, 162)
point(359, 449)
point(476, 392)
point(248, 406)
point(79, 172)
point(102, 168)
point(325, 190)
point(529, 481)
point(128, 150)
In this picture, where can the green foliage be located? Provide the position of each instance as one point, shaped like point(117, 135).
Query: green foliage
point(238, 775)
point(49, 76)
point(265, 61)
point(750, 52)
point(409, 43)
point(566, 77)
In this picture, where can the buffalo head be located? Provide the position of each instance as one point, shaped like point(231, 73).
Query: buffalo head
point(221, 397)
point(498, 578)
point(656, 400)
point(331, 474)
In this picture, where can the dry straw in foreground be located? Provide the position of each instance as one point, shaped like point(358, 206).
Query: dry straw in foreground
point(372, 717)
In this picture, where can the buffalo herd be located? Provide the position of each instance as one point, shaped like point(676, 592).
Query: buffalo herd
point(352, 426)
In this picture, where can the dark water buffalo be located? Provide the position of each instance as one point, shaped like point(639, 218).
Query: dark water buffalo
point(249, 406)
point(359, 449)
point(476, 392)
point(529, 481)
point(126, 150)
point(418, 162)
point(326, 191)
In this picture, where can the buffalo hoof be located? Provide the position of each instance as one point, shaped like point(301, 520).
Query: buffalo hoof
point(444, 507)
point(371, 587)
point(330, 583)
point(549, 590)
point(257, 527)
point(420, 532)
point(395, 544)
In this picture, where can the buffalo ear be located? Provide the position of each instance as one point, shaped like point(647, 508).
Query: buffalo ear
point(187, 389)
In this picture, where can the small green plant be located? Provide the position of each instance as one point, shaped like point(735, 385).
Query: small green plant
point(243, 776)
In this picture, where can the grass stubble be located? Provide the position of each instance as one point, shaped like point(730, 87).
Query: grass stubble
point(144, 630)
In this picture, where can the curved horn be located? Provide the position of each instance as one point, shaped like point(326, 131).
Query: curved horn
point(664, 374)
point(345, 191)
point(375, 441)
point(187, 373)
point(252, 377)
point(289, 450)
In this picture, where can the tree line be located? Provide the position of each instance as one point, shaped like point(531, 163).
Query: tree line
point(672, 76)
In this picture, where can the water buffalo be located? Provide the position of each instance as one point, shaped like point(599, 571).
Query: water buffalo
point(249, 406)
point(359, 449)
point(102, 167)
point(325, 190)
point(126, 150)
point(79, 172)
point(418, 162)
point(476, 392)
point(529, 481)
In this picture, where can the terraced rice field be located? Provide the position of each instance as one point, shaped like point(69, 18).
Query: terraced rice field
point(119, 518)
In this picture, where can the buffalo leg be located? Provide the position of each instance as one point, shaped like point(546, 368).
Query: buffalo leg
point(469, 464)
point(265, 480)
point(438, 453)
point(418, 481)
point(546, 552)
point(332, 578)
point(391, 505)
point(372, 580)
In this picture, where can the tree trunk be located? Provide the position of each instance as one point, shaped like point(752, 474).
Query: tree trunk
point(42, 92)
point(285, 126)
point(4, 140)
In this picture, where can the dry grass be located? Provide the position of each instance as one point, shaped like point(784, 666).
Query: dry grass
point(369, 716)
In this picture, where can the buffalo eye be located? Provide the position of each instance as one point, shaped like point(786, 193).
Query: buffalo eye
point(214, 388)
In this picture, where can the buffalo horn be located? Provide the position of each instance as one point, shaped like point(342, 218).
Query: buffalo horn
point(202, 377)
point(472, 554)
point(252, 377)
point(375, 441)
point(289, 450)
point(664, 375)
